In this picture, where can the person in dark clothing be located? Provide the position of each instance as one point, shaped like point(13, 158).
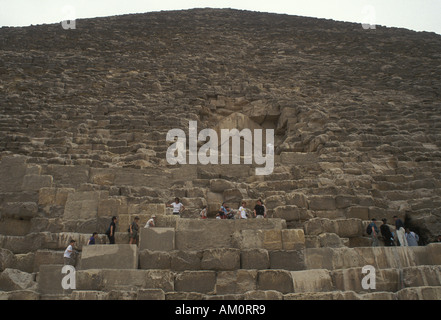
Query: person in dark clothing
point(111, 230)
point(92, 238)
point(374, 232)
point(259, 210)
point(387, 235)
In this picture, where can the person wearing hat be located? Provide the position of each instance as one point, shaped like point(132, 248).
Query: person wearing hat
point(151, 223)
point(388, 237)
point(69, 254)
point(133, 229)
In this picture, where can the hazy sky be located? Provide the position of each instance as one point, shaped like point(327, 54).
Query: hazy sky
point(419, 15)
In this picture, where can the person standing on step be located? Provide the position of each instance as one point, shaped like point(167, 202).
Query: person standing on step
point(373, 232)
point(151, 223)
point(399, 226)
point(134, 229)
point(111, 230)
point(387, 235)
point(70, 254)
point(92, 238)
point(412, 238)
point(243, 211)
point(177, 206)
point(259, 210)
point(203, 213)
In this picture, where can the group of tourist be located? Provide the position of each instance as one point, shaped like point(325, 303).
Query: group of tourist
point(242, 213)
point(404, 237)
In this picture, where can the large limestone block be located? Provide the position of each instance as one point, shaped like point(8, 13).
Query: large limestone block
point(240, 281)
point(69, 175)
point(82, 295)
point(279, 280)
point(219, 185)
point(33, 182)
point(83, 204)
point(53, 196)
point(293, 239)
point(7, 259)
point(287, 259)
point(50, 278)
point(298, 158)
point(263, 295)
point(47, 257)
point(130, 279)
point(350, 279)
point(332, 295)
point(12, 171)
point(13, 279)
point(154, 259)
point(333, 258)
point(196, 281)
point(422, 276)
point(150, 294)
point(111, 256)
point(317, 280)
point(20, 210)
point(158, 239)
point(16, 227)
point(292, 213)
point(322, 203)
point(434, 252)
point(345, 228)
point(185, 260)
point(254, 259)
point(420, 293)
point(221, 259)
point(199, 234)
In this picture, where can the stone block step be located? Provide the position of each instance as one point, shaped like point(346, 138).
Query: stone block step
point(306, 282)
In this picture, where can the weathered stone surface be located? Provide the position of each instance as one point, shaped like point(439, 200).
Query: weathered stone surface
point(117, 256)
point(196, 281)
point(279, 280)
point(154, 259)
point(7, 259)
point(13, 279)
point(150, 294)
point(317, 280)
point(194, 234)
point(20, 210)
point(287, 259)
point(220, 259)
point(157, 239)
point(240, 281)
point(355, 138)
point(12, 171)
point(420, 293)
point(254, 259)
point(50, 278)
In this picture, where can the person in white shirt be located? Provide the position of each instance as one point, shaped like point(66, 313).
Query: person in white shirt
point(203, 213)
point(69, 254)
point(151, 222)
point(177, 206)
point(243, 211)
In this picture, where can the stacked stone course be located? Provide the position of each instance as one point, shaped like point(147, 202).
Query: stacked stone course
point(83, 124)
